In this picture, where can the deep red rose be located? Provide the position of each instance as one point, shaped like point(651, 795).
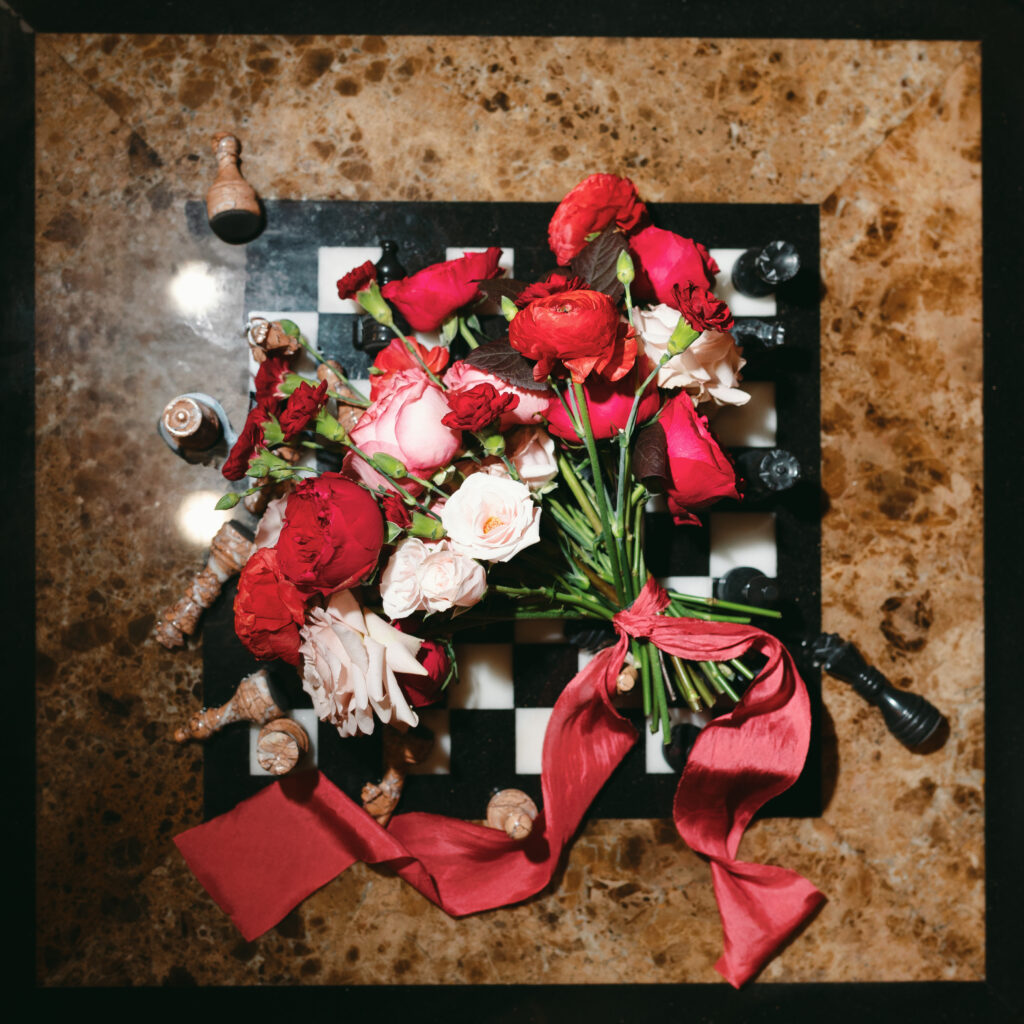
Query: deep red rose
point(303, 405)
point(704, 311)
point(249, 439)
point(428, 298)
point(332, 534)
point(357, 280)
point(269, 378)
point(395, 510)
point(581, 329)
point(423, 690)
point(608, 403)
point(477, 407)
point(662, 259)
point(268, 609)
point(700, 472)
point(395, 357)
point(591, 206)
point(557, 281)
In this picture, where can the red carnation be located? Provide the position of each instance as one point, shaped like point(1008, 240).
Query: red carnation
point(249, 439)
point(477, 407)
point(395, 510)
point(356, 280)
point(430, 297)
point(332, 534)
point(591, 206)
point(269, 378)
point(555, 282)
point(268, 609)
point(395, 358)
point(303, 405)
point(704, 311)
point(663, 259)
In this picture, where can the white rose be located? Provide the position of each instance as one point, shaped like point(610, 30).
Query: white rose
point(532, 451)
point(400, 583)
point(448, 579)
point(491, 518)
point(708, 369)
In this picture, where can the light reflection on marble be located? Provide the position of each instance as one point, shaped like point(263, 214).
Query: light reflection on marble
point(198, 519)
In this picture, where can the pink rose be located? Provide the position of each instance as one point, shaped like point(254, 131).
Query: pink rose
point(663, 259)
point(491, 518)
point(532, 452)
point(532, 403)
point(405, 422)
point(430, 578)
point(608, 404)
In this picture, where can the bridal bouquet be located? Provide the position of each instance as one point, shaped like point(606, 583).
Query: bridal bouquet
point(500, 469)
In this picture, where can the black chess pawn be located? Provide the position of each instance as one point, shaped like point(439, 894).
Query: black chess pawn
point(588, 634)
point(759, 272)
point(232, 205)
point(908, 716)
point(370, 336)
point(746, 585)
point(683, 736)
point(759, 333)
point(767, 471)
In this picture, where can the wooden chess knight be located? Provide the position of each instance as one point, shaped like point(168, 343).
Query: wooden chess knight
point(252, 701)
point(401, 751)
point(232, 205)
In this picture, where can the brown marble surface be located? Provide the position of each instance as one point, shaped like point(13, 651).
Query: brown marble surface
point(884, 136)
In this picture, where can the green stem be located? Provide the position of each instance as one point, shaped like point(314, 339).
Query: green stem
point(569, 475)
point(411, 349)
point(660, 702)
point(550, 594)
point(394, 483)
point(467, 334)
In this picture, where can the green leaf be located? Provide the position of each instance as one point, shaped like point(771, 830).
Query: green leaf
point(394, 532)
point(229, 500)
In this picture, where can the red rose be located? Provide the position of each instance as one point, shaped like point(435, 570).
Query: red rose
point(249, 439)
point(395, 357)
point(476, 408)
point(428, 298)
point(591, 206)
point(700, 472)
point(608, 403)
point(269, 378)
point(303, 404)
point(555, 282)
point(581, 328)
point(356, 280)
point(332, 534)
point(268, 609)
point(704, 311)
point(423, 690)
point(662, 259)
point(395, 510)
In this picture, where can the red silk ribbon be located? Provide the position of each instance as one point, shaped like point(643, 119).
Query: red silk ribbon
point(265, 856)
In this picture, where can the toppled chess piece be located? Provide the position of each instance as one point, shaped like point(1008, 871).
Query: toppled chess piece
point(229, 551)
point(232, 205)
point(746, 585)
point(281, 745)
point(511, 811)
point(768, 471)
point(401, 750)
point(253, 701)
point(750, 330)
point(268, 338)
point(759, 272)
point(908, 716)
point(370, 336)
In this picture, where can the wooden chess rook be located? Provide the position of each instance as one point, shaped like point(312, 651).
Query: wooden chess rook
point(251, 702)
point(281, 745)
point(511, 811)
point(232, 206)
point(401, 751)
point(229, 551)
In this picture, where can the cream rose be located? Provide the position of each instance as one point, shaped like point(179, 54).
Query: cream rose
point(491, 518)
point(430, 577)
point(708, 370)
point(349, 661)
point(532, 451)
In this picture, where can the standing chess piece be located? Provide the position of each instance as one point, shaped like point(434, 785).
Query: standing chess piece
point(511, 811)
point(253, 701)
point(192, 424)
point(370, 336)
point(401, 750)
point(759, 272)
point(232, 205)
point(767, 472)
point(281, 745)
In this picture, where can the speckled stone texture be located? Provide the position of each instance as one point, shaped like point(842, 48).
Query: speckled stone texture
point(884, 136)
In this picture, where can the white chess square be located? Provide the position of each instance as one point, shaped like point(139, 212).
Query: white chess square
point(654, 756)
point(540, 631)
point(485, 678)
point(306, 717)
point(747, 426)
point(333, 263)
point(507, 261)
point(741, 305)
point(743, 538)
point(531, 725)
point(698, 586)
point(439, 761)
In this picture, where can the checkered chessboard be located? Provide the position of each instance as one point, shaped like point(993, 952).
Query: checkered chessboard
point(490, 732)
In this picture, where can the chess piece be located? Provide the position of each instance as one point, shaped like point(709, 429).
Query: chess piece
point(750, 331)
point(252, 701)
point(192, 424)
point(767, 472)
point(268, 338)
point(908, 716)
point(683, 736)
point(370, 336)
point(281, 744)
point(759, 272)
point(626, 679)
point(745, 585)
point(232, 205)
point(401, 751)
point(229, 551)
point(512, 811)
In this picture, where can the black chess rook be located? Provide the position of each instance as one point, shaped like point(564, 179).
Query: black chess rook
point(746, 585)
point(767, 471)
point(758, 272)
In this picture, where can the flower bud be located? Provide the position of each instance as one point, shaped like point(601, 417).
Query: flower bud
point(624, 267)
point(389, 465)
point(425, 526)
point(508, 308)
point(494, 444)
point(373, 302)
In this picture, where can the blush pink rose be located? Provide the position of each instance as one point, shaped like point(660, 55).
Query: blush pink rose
point(424, 577)
point(462, 376)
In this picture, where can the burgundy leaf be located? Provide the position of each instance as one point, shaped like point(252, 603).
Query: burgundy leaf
point(501, 359)
point(598, 262)
point(650, 455)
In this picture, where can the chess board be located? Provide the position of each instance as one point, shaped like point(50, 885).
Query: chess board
point(490, 731)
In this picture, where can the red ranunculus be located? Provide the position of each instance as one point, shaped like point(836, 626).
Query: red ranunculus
point(249, 439)
point(662, 259)
point(395, 357)
point(477, 407)
point(557, 281)
point(581, 328)
point(332, 534)
point(423, 690)
point(268, 609)
point(608, 403)
point(303, 404)
point(591, 206)
point(356, 280)
point(704, 311)
point(700, 472)
point(428, 298)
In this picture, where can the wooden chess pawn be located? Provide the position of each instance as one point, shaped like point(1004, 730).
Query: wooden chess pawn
point(511, 811)
point(251, 702)
point(229, 551)
point(281, 745)
point(191, 424)
point(231, 204)
point(401, 750)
